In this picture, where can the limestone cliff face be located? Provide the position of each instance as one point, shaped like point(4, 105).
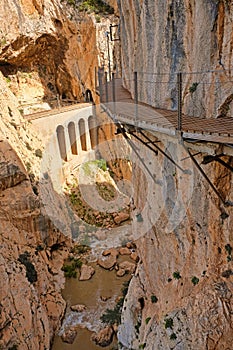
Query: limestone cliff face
point(169, 36)
point(47, 48)
point(181, 295)
point(32, 249)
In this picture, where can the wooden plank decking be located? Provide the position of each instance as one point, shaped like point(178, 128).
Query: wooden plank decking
point(213, 130)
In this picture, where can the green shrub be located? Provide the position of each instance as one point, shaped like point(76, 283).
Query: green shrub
point(173, 336)
point(28, 146)
point(228, 248)
point(102, 164)
point(148, 320)
point(28, 166)
point(113, 316)
point(80, 249)
point(78, 263)
point(168, 323)
point(14, 347)
point(3, 42)
point(73, 198)
point(31, 273)
point(142, 346)
point(38, 153)
point(139, 217)
point(176, 275)
point(125, 288)
point(193, 87)
point(195, 280)
point(96, 6)
point(137, 327)
point(70, 270)
point(154, 299)
point(39, 248)
point(98, 18)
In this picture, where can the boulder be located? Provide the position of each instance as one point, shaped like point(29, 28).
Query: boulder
point(86, 272)
point(69, 335)
point(78, 308)
point(131, 245)
point(110, 251)
point(104, 337)
point(104, 298)
point(134, 256)
point(100, 235)
point(120, 273)
point(115, 328)
point(108, 262)
point(124, 251)
point(127, 266)
point(121, 217)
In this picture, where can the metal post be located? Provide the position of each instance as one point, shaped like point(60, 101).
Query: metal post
point(106, 86)
point(136, 97)
point(58, 102)
point(95, 78)
point(109, 62)
point(114, 93)
point(100, 85)
point(179, 115)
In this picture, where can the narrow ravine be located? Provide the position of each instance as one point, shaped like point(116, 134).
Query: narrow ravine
point(99, 293)
point(101, 261)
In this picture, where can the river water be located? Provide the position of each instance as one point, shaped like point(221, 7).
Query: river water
point(104, 283)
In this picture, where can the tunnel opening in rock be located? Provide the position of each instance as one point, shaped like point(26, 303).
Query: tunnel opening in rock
point(88, 96)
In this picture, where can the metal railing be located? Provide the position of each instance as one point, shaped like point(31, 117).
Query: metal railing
point(206, 94)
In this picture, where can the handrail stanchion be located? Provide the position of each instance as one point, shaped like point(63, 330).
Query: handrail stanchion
point(58, 102)
point(95, 78)
point(114, 93)
point(136, 97)
point(106, 86)
point(100, 85)
point(179, 114)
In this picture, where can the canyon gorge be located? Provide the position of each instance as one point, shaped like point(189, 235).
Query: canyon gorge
point(180, 228)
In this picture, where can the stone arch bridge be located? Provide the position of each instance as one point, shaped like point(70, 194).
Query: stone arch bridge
point(72, 130)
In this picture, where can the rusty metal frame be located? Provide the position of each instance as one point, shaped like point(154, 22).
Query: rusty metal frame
point(218, 194)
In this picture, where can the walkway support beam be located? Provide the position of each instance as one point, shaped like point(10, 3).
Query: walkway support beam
point(179, 88)
point(100, 85)
point(114, 93)
point(106, 87)
point(136, 97)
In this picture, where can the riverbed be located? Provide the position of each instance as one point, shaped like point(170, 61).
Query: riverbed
point(105, 284)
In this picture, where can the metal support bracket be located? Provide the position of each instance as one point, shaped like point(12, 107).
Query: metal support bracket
point(218, 194)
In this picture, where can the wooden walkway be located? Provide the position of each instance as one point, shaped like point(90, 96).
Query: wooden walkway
point(55, 111)
point(165, 121)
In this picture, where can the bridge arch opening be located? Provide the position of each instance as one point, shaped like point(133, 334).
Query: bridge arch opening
point(72, 136)
point(82, 133)
point(61, 142)
point(88, 96)
point(92, 131)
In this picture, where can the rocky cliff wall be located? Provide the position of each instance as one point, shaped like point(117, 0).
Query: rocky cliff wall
point(181, 294)
point(161, 38)
point(32, 249)
point(47, 45)
point(51, 49)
